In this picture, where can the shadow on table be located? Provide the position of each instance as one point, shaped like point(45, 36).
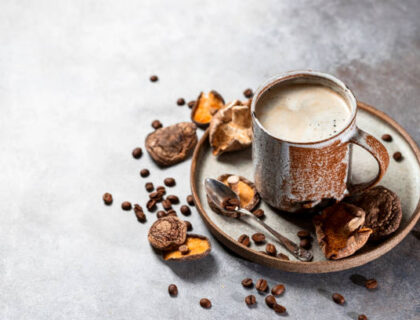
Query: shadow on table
point(197, 270)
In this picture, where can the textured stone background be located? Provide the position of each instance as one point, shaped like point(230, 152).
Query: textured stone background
point(75, 99)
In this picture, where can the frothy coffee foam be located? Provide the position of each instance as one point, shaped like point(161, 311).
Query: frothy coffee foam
point(302, 112)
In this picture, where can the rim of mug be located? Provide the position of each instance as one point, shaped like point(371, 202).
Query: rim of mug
point(296, 74)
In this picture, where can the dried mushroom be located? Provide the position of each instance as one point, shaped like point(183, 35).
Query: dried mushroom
point(197, 247)
point(206, 106)
point(167, 233)
point(170, 145)
point(230, 128)
point(382, 208)
point(340, 230)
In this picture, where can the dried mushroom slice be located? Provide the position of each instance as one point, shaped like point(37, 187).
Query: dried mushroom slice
point(244, 188)
point(198, 247)
point(167, 233)
point(340, 230)
point(230, 128)
point(206, 106)
point(170, 145)
point(382, 208)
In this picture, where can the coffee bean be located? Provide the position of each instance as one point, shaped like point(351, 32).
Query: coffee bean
point(185, 210)
point(149, 186)
point(184, 249)
point(305, 243)
point(191, 104)
point(397, 156)
point(248, 93)
point(156, 196)
point(154, 78)
point(151, 205)
point(250, 300)
point(173, 290)
point(278, 308)
point(189, 225)
point(138, 210)
point(171, 212)
point(156, 124)
point(362, 317)
point(338, 298)
point(387, 137)
point(137, 152)
point(205, 303)
point(144, 173)
point(258, 238)
point(371, 284)
point(166, 204)
point(180, 101)
point(259, 213)
point(190, 200)
point(270, 249)
point(261, 285)
point(282, 256)
point(169, 182)
point(244, 239)
point(303, 234)
point(270, 301)
point(278, 290)
point(107, 197)
point(173, 199)
point(161, 189)
point(160, 214)
point(247, 283)
point(126, 205)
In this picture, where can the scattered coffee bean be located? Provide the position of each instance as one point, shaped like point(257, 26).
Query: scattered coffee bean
point(303, 234)
point(160, 214)
point(338, 298)
point(387, 137)
point(230, 204)
point(258, 238)
point(397, 156)
point(126, 205)
point(149, 186)
point(371, 284)
point(173, 199)
point(270, 301)
point(138, 210)
point(157, 196)
point(137, 152)
point(172, 212)
point(362, 317)
point(151, 205)
point(247, 283)
point(278, 290)
point(271, 249)
point(184, 249)
point(169, 182)
point(173, 290)
point(156, 124)
point(259, 213)
point(144, 173)
point(261, 285)
point(305, 243)
point(107, 197)
point(166, 204)
point(282, 256)
point(185, 210)
point(180, 101)
point(154, 78)
point(278, 308)
point(161, 189)
point(205, 303)
point(250, 300)
point(248, 93)
point(190, 200)
point(191, 104)
point(244, 239)
point(189, 225)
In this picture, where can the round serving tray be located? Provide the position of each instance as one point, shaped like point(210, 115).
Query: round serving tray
point(402, 177)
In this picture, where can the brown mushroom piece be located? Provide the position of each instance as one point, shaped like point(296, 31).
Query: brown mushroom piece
point(230, 129)
point(167, 233)
point(205, 108)
point(198, 247)
point(170, 145)
point(340, 230)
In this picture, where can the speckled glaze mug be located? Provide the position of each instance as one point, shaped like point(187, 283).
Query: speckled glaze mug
point(293, 176)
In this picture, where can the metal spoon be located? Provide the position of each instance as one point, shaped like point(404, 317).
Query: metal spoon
point(218, 191)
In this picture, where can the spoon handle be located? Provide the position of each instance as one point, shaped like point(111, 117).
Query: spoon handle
point(293, 248)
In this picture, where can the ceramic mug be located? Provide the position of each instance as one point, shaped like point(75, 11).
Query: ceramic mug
point(294, 176)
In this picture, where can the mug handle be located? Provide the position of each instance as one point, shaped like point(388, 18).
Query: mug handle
point(377, 150)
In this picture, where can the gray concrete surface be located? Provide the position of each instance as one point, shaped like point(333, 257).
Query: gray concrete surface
point(75, 99)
